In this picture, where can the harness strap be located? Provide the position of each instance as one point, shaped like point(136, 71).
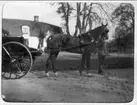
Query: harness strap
point(80, 45)
point(61, 49)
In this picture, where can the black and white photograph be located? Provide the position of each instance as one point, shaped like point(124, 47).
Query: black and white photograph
point(67, 52)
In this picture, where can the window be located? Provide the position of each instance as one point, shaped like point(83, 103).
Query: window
point(25, 29)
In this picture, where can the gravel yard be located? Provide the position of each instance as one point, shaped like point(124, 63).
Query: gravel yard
point(115, 85)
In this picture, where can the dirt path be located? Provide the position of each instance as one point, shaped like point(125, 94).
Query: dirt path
point(115, 85)
point(68, 87)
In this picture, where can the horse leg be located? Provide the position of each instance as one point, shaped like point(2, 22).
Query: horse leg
point(48, 62)
point(82, 63)
point(88, 62)
point(101, 59)
point(53, 59)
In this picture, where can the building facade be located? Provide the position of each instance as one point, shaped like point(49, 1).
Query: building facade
point(29, 29)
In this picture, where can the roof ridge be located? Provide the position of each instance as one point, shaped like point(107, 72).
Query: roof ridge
point(30, 21)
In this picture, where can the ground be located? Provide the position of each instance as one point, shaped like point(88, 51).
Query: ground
point(115, 85)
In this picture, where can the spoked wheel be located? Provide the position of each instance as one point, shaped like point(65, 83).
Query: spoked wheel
point(16, 60)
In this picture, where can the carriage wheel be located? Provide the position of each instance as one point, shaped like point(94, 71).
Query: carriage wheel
point(16, 60)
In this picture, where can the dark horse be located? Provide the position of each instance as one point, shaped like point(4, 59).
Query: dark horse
point(84, 44)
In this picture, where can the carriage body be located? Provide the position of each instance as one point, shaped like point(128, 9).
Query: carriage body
point(17, 57)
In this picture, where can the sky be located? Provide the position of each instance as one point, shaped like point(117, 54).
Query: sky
point(27, 10)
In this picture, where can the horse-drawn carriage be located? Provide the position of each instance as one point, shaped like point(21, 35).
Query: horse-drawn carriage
point(17, 57)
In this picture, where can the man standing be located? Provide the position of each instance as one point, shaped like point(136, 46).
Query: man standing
point(41, 38)
point(101, 54)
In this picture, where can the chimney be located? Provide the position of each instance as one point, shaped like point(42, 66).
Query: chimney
point(36, 18)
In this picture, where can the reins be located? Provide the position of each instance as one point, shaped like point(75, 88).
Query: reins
point(72, 47)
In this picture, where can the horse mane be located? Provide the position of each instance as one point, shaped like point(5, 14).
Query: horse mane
point(65, 38)
point(94, 32)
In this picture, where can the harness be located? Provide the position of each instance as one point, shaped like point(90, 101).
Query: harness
point(81, 44)
point(72, 47)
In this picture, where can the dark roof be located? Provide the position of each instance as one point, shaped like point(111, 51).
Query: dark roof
point(14, 27)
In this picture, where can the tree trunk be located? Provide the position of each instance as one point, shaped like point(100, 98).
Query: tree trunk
point(76, 30)
point(67, 19)
point(83, 28)
point(78, 22)
point(90, 24)
point(90, 20)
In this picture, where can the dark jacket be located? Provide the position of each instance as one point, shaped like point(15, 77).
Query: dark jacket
point(41, 35)
point(101, 47)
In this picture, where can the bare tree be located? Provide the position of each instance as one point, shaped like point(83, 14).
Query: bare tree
point(86, 15)
point(65, 9)
point(78, 21)
point(123, 15)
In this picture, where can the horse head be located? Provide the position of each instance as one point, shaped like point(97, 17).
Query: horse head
point(105, 31)
point(95, 34)
point(99, 32)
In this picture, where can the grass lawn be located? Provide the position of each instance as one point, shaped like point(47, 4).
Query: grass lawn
point(72, 61)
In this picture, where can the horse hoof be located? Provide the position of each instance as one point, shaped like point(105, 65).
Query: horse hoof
point(47, 75)
point(80, 74)
point(56, 74)
point(89, 74)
